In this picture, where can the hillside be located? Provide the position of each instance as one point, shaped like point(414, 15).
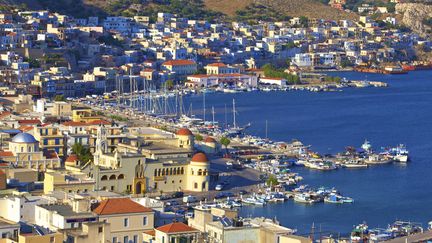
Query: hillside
point(308, 8)
point(191, 8)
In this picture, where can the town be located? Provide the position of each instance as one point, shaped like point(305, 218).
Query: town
point(89, 154)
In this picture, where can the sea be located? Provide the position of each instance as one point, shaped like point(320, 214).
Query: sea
point(330, 121)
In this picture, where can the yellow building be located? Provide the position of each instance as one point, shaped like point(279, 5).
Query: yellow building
point(37, 238)
point(50, 139)
point(85, 115)
point(61, 108)
point(55, 181)
point(128, 219)
point(150, 165)
point(89, 232)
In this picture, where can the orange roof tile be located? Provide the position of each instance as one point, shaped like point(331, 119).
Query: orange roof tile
point(150, 232)
point(5, 114)
point(120, 206)
point(25, 128)
point(217, 64)
point(74, 124)
point(175, 227)
point(99, 122)
point(30, 121)
point(72, 158)
point(200, 157)
point(184, 132)
point(6, 154)
point(178, 62)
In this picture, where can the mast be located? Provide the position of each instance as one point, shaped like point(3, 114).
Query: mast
point(204, 107)
point(234, 114)
point(213, 114)
point(266, 129)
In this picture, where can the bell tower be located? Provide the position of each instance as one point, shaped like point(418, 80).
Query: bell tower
point(101, 144)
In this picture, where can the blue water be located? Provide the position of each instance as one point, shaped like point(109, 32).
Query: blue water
point(330, 121)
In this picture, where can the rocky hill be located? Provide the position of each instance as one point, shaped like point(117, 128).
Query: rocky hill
point(417, 16)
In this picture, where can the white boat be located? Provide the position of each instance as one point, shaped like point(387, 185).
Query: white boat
point(400, 153)
point(253, 200)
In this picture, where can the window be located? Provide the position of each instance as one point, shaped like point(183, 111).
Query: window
point(126, 222)
point(145, 220)
point(114, 240)
point(195, 185)
point(52, 239)
point(135, 239)
point(126, 239)
point(100, 229)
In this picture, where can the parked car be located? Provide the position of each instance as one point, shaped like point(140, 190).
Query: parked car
point(219, 187)
point(177, 195)
point(190, 199)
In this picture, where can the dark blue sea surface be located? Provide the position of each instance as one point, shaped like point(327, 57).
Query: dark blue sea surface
point(330, 121)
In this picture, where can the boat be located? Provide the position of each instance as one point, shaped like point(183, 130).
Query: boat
point(382, 158)
point(394, 70)
point(366, 146)
point(333, 198)
point(254, 200)
point(304, 198)
point(400, 153)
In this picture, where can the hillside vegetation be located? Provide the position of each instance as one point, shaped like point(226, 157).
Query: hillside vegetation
point(205, 9)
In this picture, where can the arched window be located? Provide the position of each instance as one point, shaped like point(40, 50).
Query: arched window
point(155, 172)
point(175, 171)
point(159, 172)
point(199, 172)
point(22, 149)
point(178, 170)
point(104, 178)
point(205, 172)
point(120, 177)
point(192, 172)
point(171, 171)
point(112, 177)
point(195, 185)
point(182, 170)
point(163, 172)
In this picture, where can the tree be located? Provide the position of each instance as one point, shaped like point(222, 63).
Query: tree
point(198, 137)
point(83, 153)
point(59, 98)
point(225, 142)
point(169, 84)
point(272, 181)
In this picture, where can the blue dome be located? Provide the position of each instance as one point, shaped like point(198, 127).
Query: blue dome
point(24, 138)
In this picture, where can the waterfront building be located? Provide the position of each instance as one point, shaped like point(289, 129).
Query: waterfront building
point(143, 165)
point(180, 67)
point(235, 79)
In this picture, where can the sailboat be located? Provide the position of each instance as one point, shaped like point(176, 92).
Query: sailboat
point(235, 130)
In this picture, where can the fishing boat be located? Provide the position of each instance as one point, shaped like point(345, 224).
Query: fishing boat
point(399, 153)
point(254, 200)
point(333, 198)
point(304, 198)
point(360, 233)
point(378, 159)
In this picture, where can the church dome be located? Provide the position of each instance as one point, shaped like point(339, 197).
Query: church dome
point(24, 138)
point(184, 132)
point(200, 157)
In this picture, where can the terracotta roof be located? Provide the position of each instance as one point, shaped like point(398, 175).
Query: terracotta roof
point(200, 157)
point(74, 124)
point(99, 122)
point(150, 232)
point(184, 132)
point(25, 128)
point(5, 114)
point(178, 63)
point(175, 227)
point(217, 64)
point(2, 172)
point(120, 206)
point(209, 140)
point(30, 121)
point(72, 158)
point(6, 154)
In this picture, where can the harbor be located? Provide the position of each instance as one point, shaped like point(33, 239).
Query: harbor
point(344, 172)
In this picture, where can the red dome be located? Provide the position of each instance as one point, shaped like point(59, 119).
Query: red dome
point(184, 132)
point(200, 157)
point(209, 140)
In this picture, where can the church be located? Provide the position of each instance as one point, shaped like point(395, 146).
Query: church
point(142, 164)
